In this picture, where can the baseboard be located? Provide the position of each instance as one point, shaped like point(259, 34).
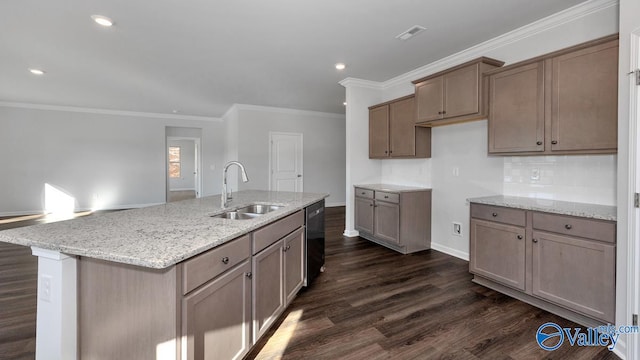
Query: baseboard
point(21, 213)
point(185, 189)
point(351, 233)
point(335, 204)
point(450, 251)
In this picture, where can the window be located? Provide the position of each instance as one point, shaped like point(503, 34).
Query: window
point(174, 161)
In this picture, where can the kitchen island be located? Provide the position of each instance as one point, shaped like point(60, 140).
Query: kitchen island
point(127, 284)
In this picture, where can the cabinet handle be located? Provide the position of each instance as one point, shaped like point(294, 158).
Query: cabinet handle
point(519, 237)
point(568, 226)
point(535, 240)
point(386, 152)
point(249, 274)
point(494, 214)
point(386, 196)
point(370, 204)
point(225, 260)
point(554, 142)
point(286, 248)
point(363, 193)
point(539, 143)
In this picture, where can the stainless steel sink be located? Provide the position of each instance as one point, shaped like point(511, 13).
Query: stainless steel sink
point(247, 212)
point(258, 209)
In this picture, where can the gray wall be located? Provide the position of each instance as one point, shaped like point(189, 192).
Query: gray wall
point(323, 147)
point(113, 161)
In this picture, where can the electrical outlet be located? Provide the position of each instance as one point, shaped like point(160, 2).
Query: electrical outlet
point(457, 229)
point(535, 174)
point(45, 287)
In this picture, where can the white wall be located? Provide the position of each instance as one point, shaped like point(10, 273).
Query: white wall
point(186, 181)
point(464, 146)
point(323, 147)
point(103, 160)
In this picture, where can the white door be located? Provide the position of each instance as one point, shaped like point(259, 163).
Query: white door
point(285, 161)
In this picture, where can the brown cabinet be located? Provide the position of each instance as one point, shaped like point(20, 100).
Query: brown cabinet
point(453, 95)
point(398, 220)
point(564, 264)
point(561, 103)
point(278, 272)
point(217, 317)
point(497, 251)
point(392, 131)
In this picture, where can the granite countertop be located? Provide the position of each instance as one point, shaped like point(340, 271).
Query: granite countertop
point(157, 236)
point(391, 187)
point(594, 211)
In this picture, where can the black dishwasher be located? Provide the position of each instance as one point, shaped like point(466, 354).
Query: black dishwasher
point(314, 221)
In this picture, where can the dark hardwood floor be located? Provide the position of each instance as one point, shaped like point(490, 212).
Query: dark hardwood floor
point(370, 303)
point(373, 303)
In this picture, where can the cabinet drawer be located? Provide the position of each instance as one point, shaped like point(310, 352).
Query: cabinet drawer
point(204, 267)
point(276, 231)
point(499, 214)
point(364, 193)
point(388, 197)
point(574, 226)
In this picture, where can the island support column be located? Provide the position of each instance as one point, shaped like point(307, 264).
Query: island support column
point(57, 319)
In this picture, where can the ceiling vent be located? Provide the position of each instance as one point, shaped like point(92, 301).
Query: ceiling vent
point(413, 31)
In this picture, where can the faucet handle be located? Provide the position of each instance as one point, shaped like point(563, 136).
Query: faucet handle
point(230, 194)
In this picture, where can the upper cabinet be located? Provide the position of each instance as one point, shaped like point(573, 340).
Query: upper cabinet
point(453, 95)
point(392, 131)
point(561, 103)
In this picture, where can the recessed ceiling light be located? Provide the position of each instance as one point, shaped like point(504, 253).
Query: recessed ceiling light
point(340, 66)
point(174, 111)
point(36, 71)
point(102, 20)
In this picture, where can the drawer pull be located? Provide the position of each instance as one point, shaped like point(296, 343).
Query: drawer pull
point(386, 196)
point(535, 240)
point(225, 260)
point(362, 193)
point(539, 143)
point(554, 142)
point(370, 204)
point(568, 226)
point(249, 274)
point(494, 214)
point(519, 237)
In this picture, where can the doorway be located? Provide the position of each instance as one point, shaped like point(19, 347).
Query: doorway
point(183, 168)
point(286, 162)
point(633, 281)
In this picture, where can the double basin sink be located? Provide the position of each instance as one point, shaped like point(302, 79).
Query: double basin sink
point(247, 212)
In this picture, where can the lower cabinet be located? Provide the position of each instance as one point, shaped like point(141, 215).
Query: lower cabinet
point(564, 264)
point(216, 319)
point(278, 275)
point(398, 220)
point(213, 306)
point(498, 252)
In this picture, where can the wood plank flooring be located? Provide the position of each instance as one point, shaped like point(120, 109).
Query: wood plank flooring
point(18, 286)
point(373, 303)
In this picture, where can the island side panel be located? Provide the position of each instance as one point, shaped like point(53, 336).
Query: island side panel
point(126, 311)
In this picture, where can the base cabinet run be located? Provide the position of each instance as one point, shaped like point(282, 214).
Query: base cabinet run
point(215, 305)
point(563, 264)
point(398, 220)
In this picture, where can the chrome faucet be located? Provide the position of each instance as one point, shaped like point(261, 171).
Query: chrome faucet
point(224, 180)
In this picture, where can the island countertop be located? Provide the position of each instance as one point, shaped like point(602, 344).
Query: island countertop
point(157, 236)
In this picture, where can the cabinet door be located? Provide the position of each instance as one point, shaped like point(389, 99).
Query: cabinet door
point(575, 273)
point(584, 105)
point(293, 264)
point(387, 222)
point(461, 92)
point(364, 215)
point(379, 132)
point(497, 252)
point(516, 110)
point(216, 318)
point(268, 292)
point(402, 128)
point(430, 99)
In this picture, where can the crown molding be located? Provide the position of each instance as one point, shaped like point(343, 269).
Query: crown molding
point(562, 17)
point(368, 84)
point(240, 107)
point(107, 111)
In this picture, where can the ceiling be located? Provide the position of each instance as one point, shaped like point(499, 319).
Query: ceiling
point(198, 57)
